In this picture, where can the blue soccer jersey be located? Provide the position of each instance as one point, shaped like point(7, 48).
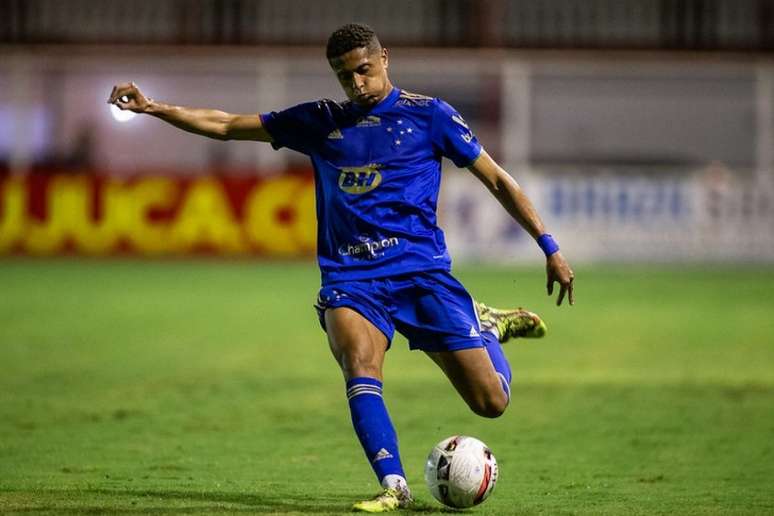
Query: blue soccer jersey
point(377, 178)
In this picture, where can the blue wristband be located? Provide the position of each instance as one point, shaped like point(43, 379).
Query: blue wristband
point(547, 244)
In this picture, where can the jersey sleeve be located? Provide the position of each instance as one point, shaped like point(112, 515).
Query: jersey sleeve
point(299, 127)
point(452, 137)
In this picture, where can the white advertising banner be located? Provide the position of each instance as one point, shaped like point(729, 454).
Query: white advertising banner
point(617, 215)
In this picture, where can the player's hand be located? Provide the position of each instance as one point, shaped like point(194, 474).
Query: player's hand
point(128, 96)
point(558, 270)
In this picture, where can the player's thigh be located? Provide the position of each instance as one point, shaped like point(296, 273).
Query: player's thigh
point(356, 343)
point(472, 374)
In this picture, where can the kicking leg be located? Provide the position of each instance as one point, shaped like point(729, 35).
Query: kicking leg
point(481, 376)
point(359, 348)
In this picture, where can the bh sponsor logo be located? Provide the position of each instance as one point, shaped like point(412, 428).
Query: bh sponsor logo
point(358, 180)
point(367, 248)
point(369, 121)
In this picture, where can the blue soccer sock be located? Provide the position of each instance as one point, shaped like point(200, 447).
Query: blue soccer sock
point(374, 429)
point(498, 359)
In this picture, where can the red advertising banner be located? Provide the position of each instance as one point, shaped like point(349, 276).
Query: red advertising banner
point(157, 215)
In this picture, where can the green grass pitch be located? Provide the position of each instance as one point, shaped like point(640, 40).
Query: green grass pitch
point(207, 386)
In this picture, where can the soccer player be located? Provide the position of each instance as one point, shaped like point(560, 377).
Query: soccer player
point(383, 259)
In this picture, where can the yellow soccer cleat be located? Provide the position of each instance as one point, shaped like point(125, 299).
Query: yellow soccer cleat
point(508, 324)
point(389, 500)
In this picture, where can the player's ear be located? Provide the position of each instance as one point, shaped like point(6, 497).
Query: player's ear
point(385, 58)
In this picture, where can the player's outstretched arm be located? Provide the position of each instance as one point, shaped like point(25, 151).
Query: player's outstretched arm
point(206, 122)
point(508, 192)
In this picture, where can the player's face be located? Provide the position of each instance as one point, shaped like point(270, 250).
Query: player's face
point(363, 75)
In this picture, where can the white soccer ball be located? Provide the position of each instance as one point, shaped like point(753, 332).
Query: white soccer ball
point(461, 471)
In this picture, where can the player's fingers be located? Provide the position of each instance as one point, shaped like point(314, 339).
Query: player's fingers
point(112, 92)
point(126, 101)
point(571, 293)
point(123, 90)
point(562, 292)
point(550, 286)
point(118, 91)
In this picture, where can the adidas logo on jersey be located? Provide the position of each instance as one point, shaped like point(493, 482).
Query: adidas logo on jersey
point(381, 455)
point(473, 332)
point(335, 135)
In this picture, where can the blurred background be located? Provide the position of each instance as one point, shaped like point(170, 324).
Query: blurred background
point(642, 129)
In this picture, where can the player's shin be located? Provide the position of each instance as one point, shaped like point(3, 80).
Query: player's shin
point(375, 431)
point(496, 355)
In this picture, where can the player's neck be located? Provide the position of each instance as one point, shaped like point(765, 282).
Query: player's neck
point(386, 93)
point(382, 98)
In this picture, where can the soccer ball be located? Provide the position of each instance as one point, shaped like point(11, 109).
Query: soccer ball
point(461, 471)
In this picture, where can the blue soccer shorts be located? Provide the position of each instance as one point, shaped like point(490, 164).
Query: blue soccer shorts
point(431, 309)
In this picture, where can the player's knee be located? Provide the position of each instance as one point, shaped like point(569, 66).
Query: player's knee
point(490, 411)
point(357, 365)
point(489, 406)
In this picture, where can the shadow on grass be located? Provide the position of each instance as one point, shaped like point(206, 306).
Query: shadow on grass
point(140, 501)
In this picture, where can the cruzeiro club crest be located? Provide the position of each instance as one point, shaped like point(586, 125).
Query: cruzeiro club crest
point(358, 180)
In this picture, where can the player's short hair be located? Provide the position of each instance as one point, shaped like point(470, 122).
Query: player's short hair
point(351, 36)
